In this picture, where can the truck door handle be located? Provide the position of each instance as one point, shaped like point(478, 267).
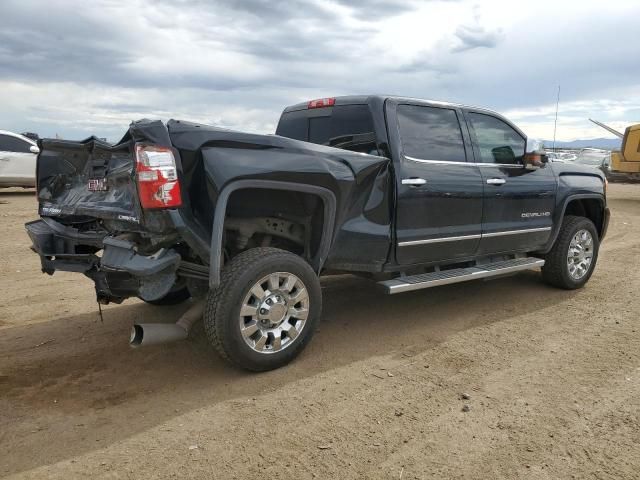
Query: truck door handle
point(496, 181)
point(415, 182)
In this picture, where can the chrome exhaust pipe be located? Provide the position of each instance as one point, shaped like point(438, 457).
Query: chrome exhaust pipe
point(144, 334)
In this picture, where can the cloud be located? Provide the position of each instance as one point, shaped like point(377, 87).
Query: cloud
point(475, 36)
point(74, 67)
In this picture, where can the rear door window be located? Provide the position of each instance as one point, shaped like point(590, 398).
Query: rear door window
point(13, 144)
point(430, 133)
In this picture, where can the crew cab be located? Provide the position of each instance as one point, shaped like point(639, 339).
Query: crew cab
point(410, 193)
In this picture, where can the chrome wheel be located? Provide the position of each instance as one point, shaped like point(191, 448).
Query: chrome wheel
point(580, 254)
point(274, 312)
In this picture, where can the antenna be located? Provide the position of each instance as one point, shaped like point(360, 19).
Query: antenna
point(555, 123)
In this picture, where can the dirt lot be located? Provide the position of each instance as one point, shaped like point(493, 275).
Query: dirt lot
point(553, 379)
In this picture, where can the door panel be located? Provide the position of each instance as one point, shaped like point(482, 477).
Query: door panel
point(439, 193)
point(18, 168)
point(448, 205)
point(518, 201)
point(525, 203)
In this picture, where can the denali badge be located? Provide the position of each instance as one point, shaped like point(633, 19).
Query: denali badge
point(50, 211)
point(128, 218)
point(535, 214)
point(98, 185)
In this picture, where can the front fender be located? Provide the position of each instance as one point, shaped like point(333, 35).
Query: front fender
point(560, 212)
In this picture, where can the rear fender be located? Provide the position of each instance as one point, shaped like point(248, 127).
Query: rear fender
point(329, 203)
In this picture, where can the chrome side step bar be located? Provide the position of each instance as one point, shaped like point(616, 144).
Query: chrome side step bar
point(457, 275)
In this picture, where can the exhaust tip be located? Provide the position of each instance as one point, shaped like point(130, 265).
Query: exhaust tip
point(137, 333)
point(146, 334)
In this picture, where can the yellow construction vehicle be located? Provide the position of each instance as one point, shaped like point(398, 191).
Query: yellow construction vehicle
point(627, 159)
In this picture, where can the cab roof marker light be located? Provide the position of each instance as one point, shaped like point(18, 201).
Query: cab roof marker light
point(321, 103)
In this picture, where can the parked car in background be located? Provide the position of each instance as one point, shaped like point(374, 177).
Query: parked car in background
point(592, 156)
point(561, 156)
point(601, 159)
point(17, 160)
point(554, 157)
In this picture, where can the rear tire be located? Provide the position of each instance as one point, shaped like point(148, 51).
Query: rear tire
point(266, 309)
point(572, 259)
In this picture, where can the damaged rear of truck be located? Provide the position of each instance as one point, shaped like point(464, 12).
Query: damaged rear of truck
point(243, 223)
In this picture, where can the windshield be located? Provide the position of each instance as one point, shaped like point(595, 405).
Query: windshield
point(592, 158)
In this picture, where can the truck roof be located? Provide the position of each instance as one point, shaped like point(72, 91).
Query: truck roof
point(366, 99)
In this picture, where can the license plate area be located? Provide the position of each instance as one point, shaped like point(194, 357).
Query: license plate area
point(97, 185)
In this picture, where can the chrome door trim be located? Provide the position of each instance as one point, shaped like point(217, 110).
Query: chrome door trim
point(439, 240)
point(472, 237)
point(515, 232)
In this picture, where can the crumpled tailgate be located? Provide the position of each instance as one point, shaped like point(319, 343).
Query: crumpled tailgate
point(88, 179)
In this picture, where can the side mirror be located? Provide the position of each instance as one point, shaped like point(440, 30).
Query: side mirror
point(34, 149)
point(537, 159)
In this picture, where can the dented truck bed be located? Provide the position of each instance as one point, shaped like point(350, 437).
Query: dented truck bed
point(160, 210)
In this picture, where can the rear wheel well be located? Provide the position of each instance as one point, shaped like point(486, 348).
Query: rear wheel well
point(285, 219)
point(590, 208)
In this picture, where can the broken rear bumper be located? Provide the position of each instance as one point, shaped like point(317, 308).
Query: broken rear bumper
point(120, 272)
point(63, 248)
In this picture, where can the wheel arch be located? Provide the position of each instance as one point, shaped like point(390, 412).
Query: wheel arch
point(329, 212)
point(591, 206)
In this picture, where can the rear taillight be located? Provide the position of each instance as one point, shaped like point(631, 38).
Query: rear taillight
point(322, 102)
point(158, 185)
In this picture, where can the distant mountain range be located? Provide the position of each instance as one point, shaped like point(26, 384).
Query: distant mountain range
point(604, 143)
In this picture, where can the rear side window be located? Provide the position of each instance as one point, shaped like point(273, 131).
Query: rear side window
point(13, 144)
point(430, 133)
point(322, 124)
point(497, 141)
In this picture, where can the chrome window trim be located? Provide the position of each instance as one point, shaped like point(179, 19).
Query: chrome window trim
point(501, 165)
point(447, 162)
point(472, 237)
point(471, 164)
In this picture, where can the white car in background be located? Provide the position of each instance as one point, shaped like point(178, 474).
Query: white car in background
point(17, 160)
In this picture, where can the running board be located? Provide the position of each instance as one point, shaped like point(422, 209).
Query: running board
point(457, 275)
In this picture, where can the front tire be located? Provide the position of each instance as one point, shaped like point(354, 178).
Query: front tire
point(572, 259)
point(266, 309)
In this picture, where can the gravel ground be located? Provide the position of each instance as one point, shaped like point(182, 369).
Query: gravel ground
point(500, 379)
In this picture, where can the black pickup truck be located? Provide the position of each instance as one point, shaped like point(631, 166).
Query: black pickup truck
point(410, 193)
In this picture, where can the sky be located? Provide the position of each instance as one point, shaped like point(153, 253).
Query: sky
point(80, 68)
